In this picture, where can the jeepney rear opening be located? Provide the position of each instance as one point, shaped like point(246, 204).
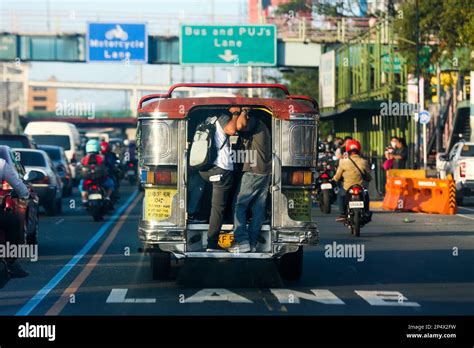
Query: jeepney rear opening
point(164, 136)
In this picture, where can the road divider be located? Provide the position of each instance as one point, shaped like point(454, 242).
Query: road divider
point(412, 191)
point(41, 294)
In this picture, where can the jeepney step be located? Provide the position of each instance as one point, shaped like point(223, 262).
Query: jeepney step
point(225, 227)
point(228, 255)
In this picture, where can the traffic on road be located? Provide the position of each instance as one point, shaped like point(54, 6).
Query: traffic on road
point(306, 163)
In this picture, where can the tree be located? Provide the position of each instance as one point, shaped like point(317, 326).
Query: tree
point(304, 81)
point(444, 28)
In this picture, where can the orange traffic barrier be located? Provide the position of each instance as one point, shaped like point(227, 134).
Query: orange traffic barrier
point(420, 195)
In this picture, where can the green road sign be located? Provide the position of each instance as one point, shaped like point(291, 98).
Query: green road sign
point(8, 47)
point(228, 44)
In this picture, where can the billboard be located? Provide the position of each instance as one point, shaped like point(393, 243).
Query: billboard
point(327, 79)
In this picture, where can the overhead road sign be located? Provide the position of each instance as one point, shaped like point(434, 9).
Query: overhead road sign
point(254, 45)
point(117, 42)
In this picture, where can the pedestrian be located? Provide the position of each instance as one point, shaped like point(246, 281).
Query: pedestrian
point(399, 154)
point(220, 175)
point(253, 187)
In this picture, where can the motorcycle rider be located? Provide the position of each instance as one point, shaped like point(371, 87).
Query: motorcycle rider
point(111, 159)
point(351, 175)
point(93, 156)
point(9, 222)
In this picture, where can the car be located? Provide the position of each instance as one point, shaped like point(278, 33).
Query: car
point(460, 164)
point(58, 156)
point(62, 134)
point(49, 188)
point(26, 210)
point(18, 141)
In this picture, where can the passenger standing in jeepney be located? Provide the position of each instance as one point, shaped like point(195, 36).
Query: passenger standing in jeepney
point(221, 174)
point(253, 188)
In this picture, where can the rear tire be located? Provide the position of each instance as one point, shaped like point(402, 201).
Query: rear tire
point(356, 227)
point(326, 202)
point(290, 265)
point(459, 198)
point(160, 263)
point(59, 206)
point(51, 206)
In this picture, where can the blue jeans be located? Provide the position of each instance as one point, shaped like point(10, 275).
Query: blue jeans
point(341, 200)
point(252, 194)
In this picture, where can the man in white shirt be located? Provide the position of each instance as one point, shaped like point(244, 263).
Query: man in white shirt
point(221, 174)
point(10, 223)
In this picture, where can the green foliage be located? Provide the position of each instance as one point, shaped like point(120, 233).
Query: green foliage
point(294, 6)
point(444, 28)
point(305, 81)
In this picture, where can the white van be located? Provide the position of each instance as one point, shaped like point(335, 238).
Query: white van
point(61, 134)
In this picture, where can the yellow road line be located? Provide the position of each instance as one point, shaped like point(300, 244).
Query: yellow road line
point(87, 270)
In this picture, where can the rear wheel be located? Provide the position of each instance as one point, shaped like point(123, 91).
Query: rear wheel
point(356, 222)
point(59, 205)
point(326, 202)
point(51, 206)
point(290, 265)
point(459, 198)
point(160, 263)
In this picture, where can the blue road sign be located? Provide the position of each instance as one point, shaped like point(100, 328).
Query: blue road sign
point(424, 117)
point(117, 42)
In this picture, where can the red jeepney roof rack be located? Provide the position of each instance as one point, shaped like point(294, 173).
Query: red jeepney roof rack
point(281, 87)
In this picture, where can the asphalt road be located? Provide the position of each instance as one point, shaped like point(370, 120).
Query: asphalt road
point(412, 264)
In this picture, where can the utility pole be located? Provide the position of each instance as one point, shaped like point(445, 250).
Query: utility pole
point(416, 161)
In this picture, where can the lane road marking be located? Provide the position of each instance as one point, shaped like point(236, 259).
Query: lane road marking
point(87, 270)
point(41, 294)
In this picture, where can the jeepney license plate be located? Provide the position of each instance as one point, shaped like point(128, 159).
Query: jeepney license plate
point(158, 203)
point(226, 240)
point(356, 204)
point(326, 186)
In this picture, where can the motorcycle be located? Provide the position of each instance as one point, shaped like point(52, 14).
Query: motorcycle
point(131, 172)
point(325, 188)
point(97, 205)
point(357, 205)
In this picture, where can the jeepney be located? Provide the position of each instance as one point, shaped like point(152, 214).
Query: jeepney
point(165, 129)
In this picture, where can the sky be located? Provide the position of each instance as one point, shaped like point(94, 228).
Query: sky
point(162, 18)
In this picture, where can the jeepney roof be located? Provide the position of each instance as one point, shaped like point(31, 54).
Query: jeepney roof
point(178, 108)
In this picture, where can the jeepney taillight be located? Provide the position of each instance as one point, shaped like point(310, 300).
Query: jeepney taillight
point(159, 177)
point(301, 177)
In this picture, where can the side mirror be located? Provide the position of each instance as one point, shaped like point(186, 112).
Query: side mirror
point(33, 175)
point(443, 157)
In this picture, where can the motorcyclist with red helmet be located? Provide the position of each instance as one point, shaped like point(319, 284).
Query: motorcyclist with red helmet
point(350, 170)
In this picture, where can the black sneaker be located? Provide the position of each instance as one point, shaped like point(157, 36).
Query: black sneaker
point(16, 271)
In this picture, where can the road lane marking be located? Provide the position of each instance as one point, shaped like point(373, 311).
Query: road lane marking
point(465, 216)
point(468, 209)
point(282, 297)
point(119, 296)
point(41, 294)
point(59, 221)
point(87, 270)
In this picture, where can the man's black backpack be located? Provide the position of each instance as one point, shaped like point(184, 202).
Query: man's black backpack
point(203, 151)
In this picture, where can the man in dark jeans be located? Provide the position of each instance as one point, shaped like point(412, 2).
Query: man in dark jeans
point(253, 188)
point(221, 174)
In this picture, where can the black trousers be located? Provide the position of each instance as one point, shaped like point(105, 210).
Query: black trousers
point(10, 227)
point(220, 194)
